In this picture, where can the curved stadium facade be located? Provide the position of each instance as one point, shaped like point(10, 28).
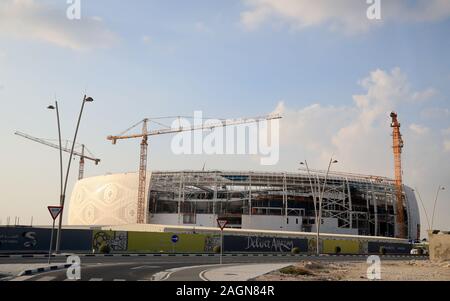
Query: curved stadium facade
point(352, 204)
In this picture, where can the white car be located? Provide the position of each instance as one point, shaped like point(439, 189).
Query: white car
point(419, 251)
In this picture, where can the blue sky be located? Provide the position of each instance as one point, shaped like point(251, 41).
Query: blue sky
point(236, 58)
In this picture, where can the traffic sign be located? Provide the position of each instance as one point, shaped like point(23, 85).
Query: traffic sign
point(175, 238)
point(222, 223)
point(54, 211)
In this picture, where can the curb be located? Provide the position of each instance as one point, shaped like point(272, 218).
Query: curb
point(45, 269)
point(212, 255)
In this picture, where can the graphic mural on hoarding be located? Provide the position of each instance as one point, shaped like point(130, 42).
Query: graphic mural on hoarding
point(263, 244)
point(24, 240)
point(211, 242)
point(38, 239)
point(116, 240)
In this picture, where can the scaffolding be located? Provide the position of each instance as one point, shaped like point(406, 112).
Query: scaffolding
point(362, 203)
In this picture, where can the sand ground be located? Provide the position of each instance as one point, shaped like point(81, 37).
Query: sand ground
point(411, 270)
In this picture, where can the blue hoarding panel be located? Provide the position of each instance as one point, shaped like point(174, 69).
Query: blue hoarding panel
point(29, 239)
point(391, 248)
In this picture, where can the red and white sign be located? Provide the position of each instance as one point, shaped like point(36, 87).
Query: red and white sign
point(222, 223)
point(54, 211)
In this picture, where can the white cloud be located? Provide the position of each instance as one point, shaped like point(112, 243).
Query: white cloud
point(30, 19)
point(359, 136)
point(355, 133)
point(424, 95)
point(343, 15)
point(446, 132)
point(435, 113)
point(419, 129)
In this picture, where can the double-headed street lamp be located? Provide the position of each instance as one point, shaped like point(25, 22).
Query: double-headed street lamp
point(64, 188)
point(423, 207)
point(318, 212)
point(440, 188)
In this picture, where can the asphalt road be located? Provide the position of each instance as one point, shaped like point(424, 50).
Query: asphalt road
point(144, 268)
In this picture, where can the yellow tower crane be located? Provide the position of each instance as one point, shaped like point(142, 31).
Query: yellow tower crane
point(141, 209)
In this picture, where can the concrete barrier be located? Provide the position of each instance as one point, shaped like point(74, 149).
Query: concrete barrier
point(439, 245)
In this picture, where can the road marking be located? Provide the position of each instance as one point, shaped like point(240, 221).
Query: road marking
point(46, 278)
point(202, 275)
point(96, 279)
point(145, 267)
point(119, 280)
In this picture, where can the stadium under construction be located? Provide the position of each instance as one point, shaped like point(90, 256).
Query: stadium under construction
point(282, 202)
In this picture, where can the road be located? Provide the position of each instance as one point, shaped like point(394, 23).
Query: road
point(144, 268)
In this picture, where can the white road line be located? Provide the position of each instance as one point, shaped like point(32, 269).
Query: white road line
point(119, 280)
point(202, 275)
point(46, 278)
point(96, 279)
point(145, 267)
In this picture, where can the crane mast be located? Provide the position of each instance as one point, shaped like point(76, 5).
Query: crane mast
point(141, 208)
point(141, 202)
point(64, 149)
point(81, 169)
point(397, 148)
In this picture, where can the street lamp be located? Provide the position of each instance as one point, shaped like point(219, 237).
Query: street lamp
point(440, 188)
point(319, 214)
point(313, 191)
point(55, 107)
point(424, 209)
point(63, 195)
point(321, 198)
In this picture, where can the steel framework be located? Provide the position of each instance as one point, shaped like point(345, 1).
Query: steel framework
point(365, 203)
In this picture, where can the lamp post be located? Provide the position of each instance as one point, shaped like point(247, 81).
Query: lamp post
point(313, 191)
point(55, 107)
point(319, 214)
point(321, 197)
point(440, 188)
point(423, 207)
point(63, 195)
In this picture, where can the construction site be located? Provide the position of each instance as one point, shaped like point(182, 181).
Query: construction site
point(345, 206)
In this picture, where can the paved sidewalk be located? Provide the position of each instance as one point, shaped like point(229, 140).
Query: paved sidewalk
point(241, 272)
point(8, 271)
point(15, 269)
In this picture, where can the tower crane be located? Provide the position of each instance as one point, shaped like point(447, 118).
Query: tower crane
point(81, 155)
point(141, 209)
point(397, 147)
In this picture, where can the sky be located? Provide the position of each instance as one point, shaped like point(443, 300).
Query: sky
point(330, 71)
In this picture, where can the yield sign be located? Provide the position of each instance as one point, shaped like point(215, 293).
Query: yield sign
point(222, 223)
point(54, 211)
